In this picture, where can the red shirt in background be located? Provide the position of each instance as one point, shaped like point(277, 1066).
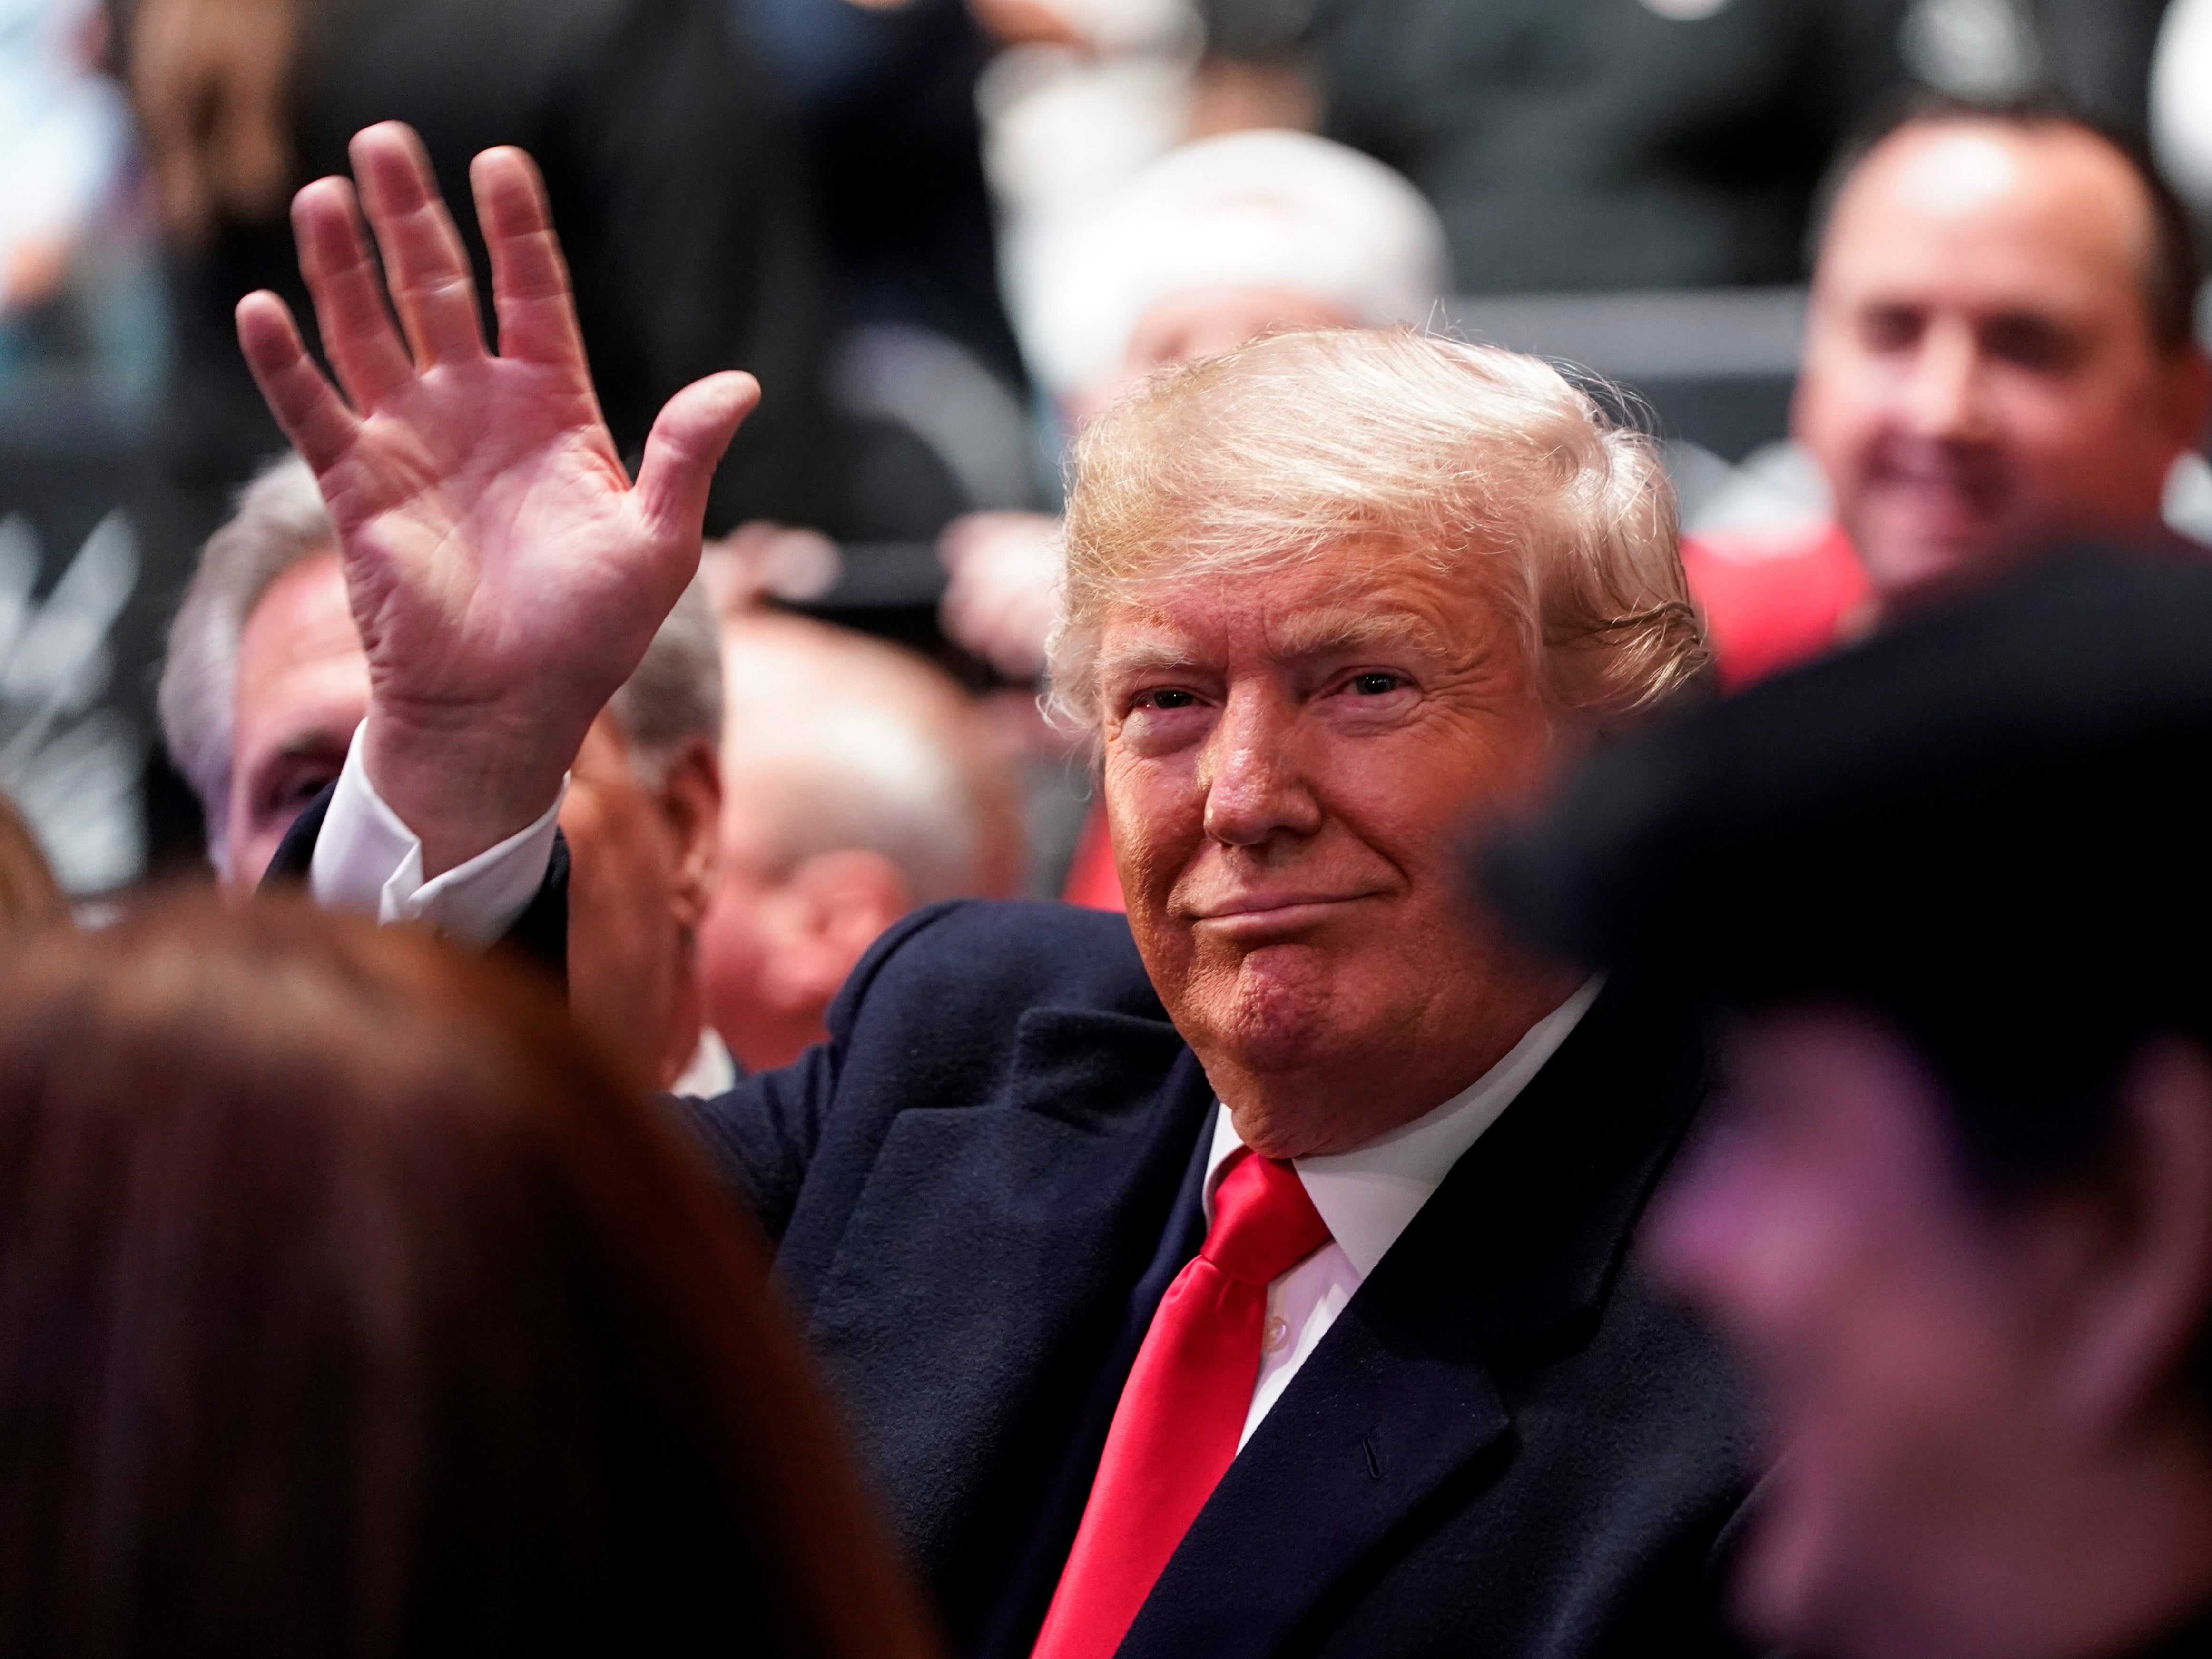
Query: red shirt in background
point(1093, 881)
point(1770, 599)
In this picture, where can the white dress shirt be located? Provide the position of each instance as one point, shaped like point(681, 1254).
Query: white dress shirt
point(1369, 1195)
point(366, 859)
point(712, 1070)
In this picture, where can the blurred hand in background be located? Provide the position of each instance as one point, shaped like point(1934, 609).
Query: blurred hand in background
point(211, 80)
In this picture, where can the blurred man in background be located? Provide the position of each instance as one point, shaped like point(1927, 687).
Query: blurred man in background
point(1960, 1217)
point(2000, 353)
point(267, 681)
point(858, 783)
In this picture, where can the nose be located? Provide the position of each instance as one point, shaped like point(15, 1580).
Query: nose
point(1943, 399)
point(1255, 783)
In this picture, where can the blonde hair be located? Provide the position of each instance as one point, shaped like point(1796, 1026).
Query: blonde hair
point(1479, 460)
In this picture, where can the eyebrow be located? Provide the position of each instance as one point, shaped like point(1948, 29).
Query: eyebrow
point(1322, 632)
point(1327, 632)
point(321, 742)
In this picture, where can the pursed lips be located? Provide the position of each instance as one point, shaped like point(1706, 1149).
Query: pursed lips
point(1258, 907)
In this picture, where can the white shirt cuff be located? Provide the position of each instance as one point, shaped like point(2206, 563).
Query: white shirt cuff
point(368, 861)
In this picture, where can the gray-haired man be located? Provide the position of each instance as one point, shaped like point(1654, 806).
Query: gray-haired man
point(267, 681)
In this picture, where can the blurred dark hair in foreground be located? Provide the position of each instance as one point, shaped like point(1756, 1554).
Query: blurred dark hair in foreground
point(349, 1302)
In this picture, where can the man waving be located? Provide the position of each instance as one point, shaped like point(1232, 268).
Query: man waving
point(1250, 1275)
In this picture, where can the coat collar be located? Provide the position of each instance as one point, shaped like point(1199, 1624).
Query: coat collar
point(1519, 1244)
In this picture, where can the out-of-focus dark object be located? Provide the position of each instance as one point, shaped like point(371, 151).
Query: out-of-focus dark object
point(2100, 54)
point(29, 896)
point(1835, 831)
point(673, 177)
point(1619, 144)
point(355, 1304)
point(885, 97)
point(1950, 887)
point(921, 358)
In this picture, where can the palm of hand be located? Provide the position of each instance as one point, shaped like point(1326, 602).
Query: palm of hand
point(505, 573)
point(493, 546)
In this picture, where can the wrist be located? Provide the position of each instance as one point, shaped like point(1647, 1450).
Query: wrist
point(463, 779)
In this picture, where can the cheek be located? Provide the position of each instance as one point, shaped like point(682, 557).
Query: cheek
point(1158, 817)
point(1843, 401)
point(2102, 439)
point(1420, 799)
point(729, 950)
point(250, 856)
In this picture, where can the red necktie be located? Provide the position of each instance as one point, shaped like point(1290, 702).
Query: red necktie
point(1183, 1409)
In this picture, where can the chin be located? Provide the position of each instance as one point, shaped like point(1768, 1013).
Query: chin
point(1915, 556)
point(1276, 1010)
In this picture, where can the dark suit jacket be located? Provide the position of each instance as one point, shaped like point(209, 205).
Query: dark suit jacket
point(981, 1185)
point(980, 1188)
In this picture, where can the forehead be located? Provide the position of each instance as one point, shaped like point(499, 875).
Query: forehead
point(301, 631)
point(1978, 213)
point(1360, 593)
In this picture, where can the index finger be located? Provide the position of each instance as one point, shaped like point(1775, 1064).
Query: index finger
point(312, 414)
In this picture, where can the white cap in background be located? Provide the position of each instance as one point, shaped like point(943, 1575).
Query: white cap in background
point(1275, 210)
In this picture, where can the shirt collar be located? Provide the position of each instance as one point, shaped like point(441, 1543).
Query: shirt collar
point(712, 1070)
point(1369, 1195)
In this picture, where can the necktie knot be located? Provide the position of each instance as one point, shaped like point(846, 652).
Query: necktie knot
point(1264, 1223)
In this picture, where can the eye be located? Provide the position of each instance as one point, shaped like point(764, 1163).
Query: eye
point(305, 788)
point(1889, 328)
point(1375, 683)
point(1166, 697)
point(293, 787)
point(2032, 343)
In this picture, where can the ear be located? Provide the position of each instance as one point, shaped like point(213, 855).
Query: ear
point(691, 802)
point(845, 900)
point(2189, 396)
point(2149, 1288)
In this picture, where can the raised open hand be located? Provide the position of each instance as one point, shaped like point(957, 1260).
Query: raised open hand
point(505, 575)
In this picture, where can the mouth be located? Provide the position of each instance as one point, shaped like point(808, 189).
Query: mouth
point(1253, 915)
point(1956, 492)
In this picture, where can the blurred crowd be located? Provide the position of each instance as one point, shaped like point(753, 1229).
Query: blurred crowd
point(943, 235)
point(1649, 958)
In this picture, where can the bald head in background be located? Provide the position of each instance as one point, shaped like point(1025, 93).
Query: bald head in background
point(1996, 355)
point(859, 782)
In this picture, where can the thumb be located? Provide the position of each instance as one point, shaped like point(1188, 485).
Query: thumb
point(686, 445)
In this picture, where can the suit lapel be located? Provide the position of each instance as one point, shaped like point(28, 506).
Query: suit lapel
point(1519, 1244)
point(980, 1281)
